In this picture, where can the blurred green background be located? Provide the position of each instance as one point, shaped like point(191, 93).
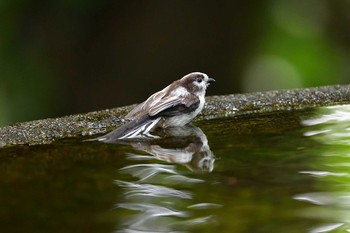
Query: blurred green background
point(71, 56)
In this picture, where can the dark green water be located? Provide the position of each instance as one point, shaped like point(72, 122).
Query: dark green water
point(280, 172)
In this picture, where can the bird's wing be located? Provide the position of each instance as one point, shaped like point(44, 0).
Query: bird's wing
point(166, 99)
point(174, 104)
point(144, 106)
point(131, 115)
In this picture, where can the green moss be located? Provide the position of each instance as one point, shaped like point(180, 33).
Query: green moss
point(48, 130)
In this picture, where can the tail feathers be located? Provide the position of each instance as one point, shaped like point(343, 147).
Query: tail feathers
point(135, 129)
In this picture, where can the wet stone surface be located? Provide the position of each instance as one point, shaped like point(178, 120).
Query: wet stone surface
point(48, 130)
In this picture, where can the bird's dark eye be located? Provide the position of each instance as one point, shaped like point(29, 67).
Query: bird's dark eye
point(199, 80)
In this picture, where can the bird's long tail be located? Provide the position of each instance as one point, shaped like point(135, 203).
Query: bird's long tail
point(138, 128)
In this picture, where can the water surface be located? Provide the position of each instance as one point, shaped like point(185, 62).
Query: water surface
point(276, 172)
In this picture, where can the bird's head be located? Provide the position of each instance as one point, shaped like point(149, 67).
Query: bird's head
point(196, 82)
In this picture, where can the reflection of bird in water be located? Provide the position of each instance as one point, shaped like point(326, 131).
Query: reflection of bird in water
point(185, 145)
point(153, 202)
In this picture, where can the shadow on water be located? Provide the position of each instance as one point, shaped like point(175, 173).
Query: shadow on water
point(276, 172)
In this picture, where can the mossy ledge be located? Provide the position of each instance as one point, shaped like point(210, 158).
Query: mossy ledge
point(48, 130)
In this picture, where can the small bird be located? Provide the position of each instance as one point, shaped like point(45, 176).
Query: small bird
point(175, 105)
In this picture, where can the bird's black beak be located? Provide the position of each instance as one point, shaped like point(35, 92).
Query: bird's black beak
point(211, 80)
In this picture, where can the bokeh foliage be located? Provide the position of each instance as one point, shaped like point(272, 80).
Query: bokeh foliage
point(65, 57)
